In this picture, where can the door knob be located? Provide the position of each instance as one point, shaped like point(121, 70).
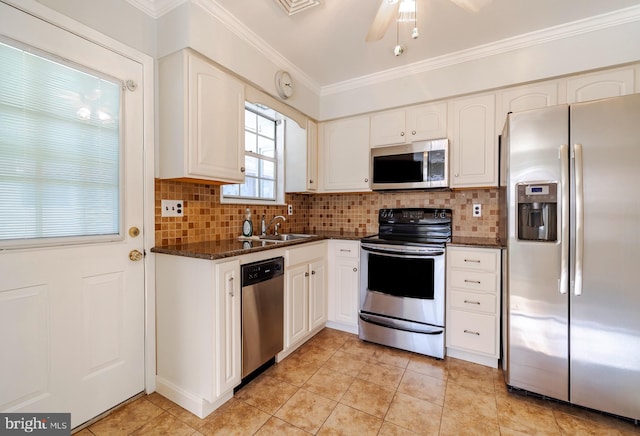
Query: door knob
point(135, 255)
point(134, 231)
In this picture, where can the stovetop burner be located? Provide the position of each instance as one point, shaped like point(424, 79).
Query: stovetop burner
point(413, 226)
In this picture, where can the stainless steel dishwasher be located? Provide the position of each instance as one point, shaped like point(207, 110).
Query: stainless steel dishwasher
point(262, 312)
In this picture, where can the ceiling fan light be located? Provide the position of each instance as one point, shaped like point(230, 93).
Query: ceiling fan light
point(398, 50)
point(415, 33)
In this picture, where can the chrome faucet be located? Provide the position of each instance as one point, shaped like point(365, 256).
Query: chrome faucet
point(275, 231)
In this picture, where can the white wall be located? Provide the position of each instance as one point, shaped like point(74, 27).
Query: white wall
point(115, 18)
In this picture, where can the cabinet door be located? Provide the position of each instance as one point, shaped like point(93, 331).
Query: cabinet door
point(345, 291)
point(216, 123)
point(388, 128)
point(344, 151)
point(523, 98)
point(228, 357)
point(428, 121)
point(297, 301)
point(317, 294)
point(473, 142)
point(601, 85)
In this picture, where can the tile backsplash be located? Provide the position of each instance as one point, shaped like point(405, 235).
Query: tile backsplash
point(205, 218)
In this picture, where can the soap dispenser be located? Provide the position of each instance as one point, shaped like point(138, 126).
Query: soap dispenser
point(247, 225)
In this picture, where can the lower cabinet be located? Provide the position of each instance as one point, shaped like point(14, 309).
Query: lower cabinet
point(305, 295)
point(344, 285)
point(473, 304)
point(198, 318)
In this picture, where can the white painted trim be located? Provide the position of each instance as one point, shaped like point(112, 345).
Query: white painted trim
point(248, 36)
point(480, 359)
point(156, 8)
point(191, 402)
point(148, 87)
point(531, 39)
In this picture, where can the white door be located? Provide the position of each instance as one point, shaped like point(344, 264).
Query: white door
point(72, 314)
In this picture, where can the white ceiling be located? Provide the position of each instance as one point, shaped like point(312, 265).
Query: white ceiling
point(327, 43)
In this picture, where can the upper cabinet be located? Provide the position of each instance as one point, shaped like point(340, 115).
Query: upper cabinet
point(201, 120)
point(301, 157)
point(523, 98)
point(473, 139)
point(603, 84)
point(402, 126)
point(344, 155)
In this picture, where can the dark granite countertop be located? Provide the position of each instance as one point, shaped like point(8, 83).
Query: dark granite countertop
point(471, 241)
point(213, 250)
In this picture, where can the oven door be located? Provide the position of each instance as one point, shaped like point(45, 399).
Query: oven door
point(402, 282)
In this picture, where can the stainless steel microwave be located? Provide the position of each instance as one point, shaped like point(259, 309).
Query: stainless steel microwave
point(420, 165)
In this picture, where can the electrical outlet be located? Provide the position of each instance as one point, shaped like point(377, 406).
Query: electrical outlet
point(477, 210)
point(290, 209)
point(172, 208)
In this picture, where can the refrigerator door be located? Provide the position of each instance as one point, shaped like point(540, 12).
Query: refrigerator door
point(536, 346)
point(605, 297)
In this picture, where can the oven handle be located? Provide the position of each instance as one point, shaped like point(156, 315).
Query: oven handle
point(404, 255)
point(398, 325)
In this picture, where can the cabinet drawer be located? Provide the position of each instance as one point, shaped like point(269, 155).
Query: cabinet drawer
point(346, 249)
point(476, 281)
point(472, 331)
point(477, 260)
point(473, 301)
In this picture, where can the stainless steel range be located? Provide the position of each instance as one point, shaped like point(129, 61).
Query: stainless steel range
point(402, 280)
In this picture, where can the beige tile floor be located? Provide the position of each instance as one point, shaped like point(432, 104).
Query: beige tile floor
point(337, 384)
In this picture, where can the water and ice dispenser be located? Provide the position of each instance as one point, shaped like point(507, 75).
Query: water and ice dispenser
point(537, 211)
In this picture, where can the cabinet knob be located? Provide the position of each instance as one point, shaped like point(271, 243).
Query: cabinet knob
point(366, 180)
point(310, 181)
point(242, 169)
point(306, 274)
point(401, 133)
point(413, 132)
point(355, 269)
point(313, 272)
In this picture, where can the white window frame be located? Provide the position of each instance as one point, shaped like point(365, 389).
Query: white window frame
point(279, 181)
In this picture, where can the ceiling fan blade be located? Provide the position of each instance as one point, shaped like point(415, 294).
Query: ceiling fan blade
point(471, 5)
point(387, 13)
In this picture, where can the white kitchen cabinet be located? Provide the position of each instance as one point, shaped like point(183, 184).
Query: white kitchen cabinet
point(301, 157)
point(344, 285)
point(403, 126)
point(198, 319)
point(473, 149)
point(201, 120)
point(473, 304)
point(523, 98)
point(603, 84)
point(344, 155)
point(305, 294)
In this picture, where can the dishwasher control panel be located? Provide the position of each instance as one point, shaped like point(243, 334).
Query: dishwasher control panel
point(260, 271)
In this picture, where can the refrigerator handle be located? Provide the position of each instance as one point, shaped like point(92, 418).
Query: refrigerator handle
point(564, 217)
point(577, 156)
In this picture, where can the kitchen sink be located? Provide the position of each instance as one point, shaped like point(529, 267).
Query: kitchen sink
point(285, 237)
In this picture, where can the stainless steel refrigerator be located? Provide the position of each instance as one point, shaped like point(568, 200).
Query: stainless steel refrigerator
point(571, 302)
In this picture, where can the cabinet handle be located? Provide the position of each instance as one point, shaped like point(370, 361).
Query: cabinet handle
point(231, 283)
point(472, 302)
point(401, 133)
point(242, 169)
point(306, 274)
point(477, 282)
point(355, 269)
point(471, 332)
point(472, 260)
point(413, 132)
point(344, 250)
point(313, 272)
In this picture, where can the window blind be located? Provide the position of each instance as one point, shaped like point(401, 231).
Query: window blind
point(60, 150)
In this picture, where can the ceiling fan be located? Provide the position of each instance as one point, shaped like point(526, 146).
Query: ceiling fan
point(389, 11)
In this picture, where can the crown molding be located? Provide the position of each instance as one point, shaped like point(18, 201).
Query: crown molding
point(611, 19)
point(157, 8)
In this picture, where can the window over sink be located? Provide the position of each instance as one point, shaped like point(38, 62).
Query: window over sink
point(264, 163)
